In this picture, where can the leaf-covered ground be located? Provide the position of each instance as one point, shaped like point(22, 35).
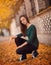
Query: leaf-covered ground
point(8, 55)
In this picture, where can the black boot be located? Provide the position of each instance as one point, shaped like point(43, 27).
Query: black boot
point(23, 57)
point(34, 54)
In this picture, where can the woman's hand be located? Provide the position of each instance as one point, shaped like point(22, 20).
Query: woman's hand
point(24, 37)
point(18, 47)
point(11, 38)
point(24, 44)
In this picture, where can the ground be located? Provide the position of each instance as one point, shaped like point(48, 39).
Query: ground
point(8, 55)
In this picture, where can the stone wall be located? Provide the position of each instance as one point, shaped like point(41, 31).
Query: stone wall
point(43, 25)
point(21, 11)
point(42, 4)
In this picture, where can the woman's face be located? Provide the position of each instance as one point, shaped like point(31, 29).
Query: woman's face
point(23, 20)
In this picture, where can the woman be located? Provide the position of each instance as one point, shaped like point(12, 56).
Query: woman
point(26, 41)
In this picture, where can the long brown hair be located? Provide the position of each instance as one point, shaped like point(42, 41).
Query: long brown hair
point(22, 26)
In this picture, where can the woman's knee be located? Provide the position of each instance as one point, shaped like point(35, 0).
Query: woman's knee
point(18, 51)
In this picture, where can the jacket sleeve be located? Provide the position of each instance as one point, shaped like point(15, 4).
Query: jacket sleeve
point(19, 35)
point(32, 35)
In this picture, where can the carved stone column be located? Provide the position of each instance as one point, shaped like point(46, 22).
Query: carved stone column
point(36, 6)
point(28, 7)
